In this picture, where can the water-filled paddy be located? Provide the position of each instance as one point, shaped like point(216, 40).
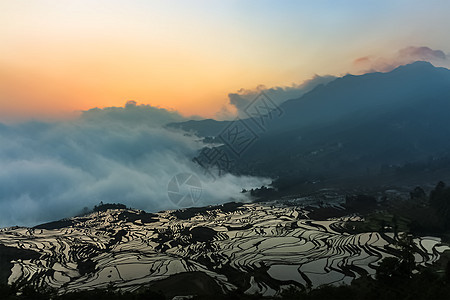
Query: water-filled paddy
point(276, 242)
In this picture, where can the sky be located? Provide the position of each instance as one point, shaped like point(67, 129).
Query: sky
point(169, 61)
point(60, 57)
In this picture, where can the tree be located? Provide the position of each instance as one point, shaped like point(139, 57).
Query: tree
point(418, 193)
point(440, 201)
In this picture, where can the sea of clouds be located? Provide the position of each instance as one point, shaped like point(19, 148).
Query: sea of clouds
point(50, 171)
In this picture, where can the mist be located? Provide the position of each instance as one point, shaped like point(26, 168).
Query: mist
point(49, 171)
point(239, 100)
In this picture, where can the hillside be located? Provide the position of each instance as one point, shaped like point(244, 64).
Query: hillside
point(366, 127)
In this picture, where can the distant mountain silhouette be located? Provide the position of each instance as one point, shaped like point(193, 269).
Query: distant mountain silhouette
point(203, 128)
point(353, 127)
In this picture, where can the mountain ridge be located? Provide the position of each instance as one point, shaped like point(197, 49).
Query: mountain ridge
point(353, 126)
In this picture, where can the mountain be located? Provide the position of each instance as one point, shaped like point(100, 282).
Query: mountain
point(383, 126)
point(202, 128)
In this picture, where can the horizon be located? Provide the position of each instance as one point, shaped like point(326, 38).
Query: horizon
point(60, 59)
point(232, 110)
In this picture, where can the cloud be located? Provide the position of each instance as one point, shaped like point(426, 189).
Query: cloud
point(403, 56)
point(362, 60)
point(49, 171)
point(422, 53)
point(239, 100)
point(132, 113)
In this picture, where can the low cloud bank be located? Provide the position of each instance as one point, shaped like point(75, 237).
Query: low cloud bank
point(50, 171)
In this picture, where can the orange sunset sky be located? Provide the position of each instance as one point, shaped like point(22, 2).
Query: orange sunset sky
point(60, 57)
